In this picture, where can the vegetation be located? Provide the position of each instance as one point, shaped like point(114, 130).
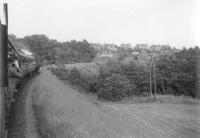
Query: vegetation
point(176, 74)
point(53, 52)
point(177, 71)
point(180, 72)
point(114, 87)
point(62, 112)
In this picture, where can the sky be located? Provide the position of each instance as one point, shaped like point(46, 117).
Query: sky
point(173, 22)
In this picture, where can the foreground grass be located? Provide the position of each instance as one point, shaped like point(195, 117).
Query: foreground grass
point(171, 99)
point(64, 113)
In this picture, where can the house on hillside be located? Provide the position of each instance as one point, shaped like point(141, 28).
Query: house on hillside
point(112, 48)
point(105, 53)
point(155, 48)
point(141, 47)
point(160, 48)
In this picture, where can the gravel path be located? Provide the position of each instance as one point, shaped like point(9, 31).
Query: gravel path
point(22, 120)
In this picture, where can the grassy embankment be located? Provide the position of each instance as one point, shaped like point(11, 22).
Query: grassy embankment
point(63, 112)
point(91, 71)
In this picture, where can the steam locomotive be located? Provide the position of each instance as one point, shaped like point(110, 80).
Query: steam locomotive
point(21, 64)
point(16, 63)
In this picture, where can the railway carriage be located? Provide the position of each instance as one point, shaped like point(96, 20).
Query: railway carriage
point(21, 64)
point(16, 63)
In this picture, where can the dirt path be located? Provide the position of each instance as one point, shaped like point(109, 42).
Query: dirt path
point(22, 119)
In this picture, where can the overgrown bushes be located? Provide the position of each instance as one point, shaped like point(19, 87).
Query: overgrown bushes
point(180, 72)
point(114, 87)
point(74, 77)
point(48, 51)
point(176, 74)
point(111, 84)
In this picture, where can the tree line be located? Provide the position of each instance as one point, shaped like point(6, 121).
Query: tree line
point(176, 74)
point(53, 52)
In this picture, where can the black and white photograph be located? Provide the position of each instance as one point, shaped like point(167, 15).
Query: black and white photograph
point(99, 68)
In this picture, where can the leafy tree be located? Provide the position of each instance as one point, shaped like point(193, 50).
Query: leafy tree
point(180, 71)
point(58, 52)
point(114, 87)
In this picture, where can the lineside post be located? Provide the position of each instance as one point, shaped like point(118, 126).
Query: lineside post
point(154, 69)
point(3, 65)
point(150, 79)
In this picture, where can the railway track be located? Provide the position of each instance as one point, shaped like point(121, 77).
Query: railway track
point(22, 122)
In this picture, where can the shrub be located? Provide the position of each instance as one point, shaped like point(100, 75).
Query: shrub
point(114, 87)
point(74, 77)
point(60, 73)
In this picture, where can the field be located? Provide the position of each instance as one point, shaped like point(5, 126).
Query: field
point(63, 112)
point(163, 120)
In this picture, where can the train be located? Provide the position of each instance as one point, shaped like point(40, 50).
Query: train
point(16, 63)
point(21, 64)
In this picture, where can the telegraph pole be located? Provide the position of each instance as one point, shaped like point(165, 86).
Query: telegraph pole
point(163, 85)
point(3, 65)
point(150, 78)
point(154, 68)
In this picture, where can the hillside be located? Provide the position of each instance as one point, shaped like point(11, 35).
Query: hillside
point(63, 112)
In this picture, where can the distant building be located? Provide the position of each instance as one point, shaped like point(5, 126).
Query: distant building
point(135, 53)
point(105, 53)
point(160, 48)
point(111, 47)
point(140, 47)
point(155, 48)
point(126, 46)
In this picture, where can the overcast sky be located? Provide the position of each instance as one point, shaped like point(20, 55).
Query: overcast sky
point(174, 22)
